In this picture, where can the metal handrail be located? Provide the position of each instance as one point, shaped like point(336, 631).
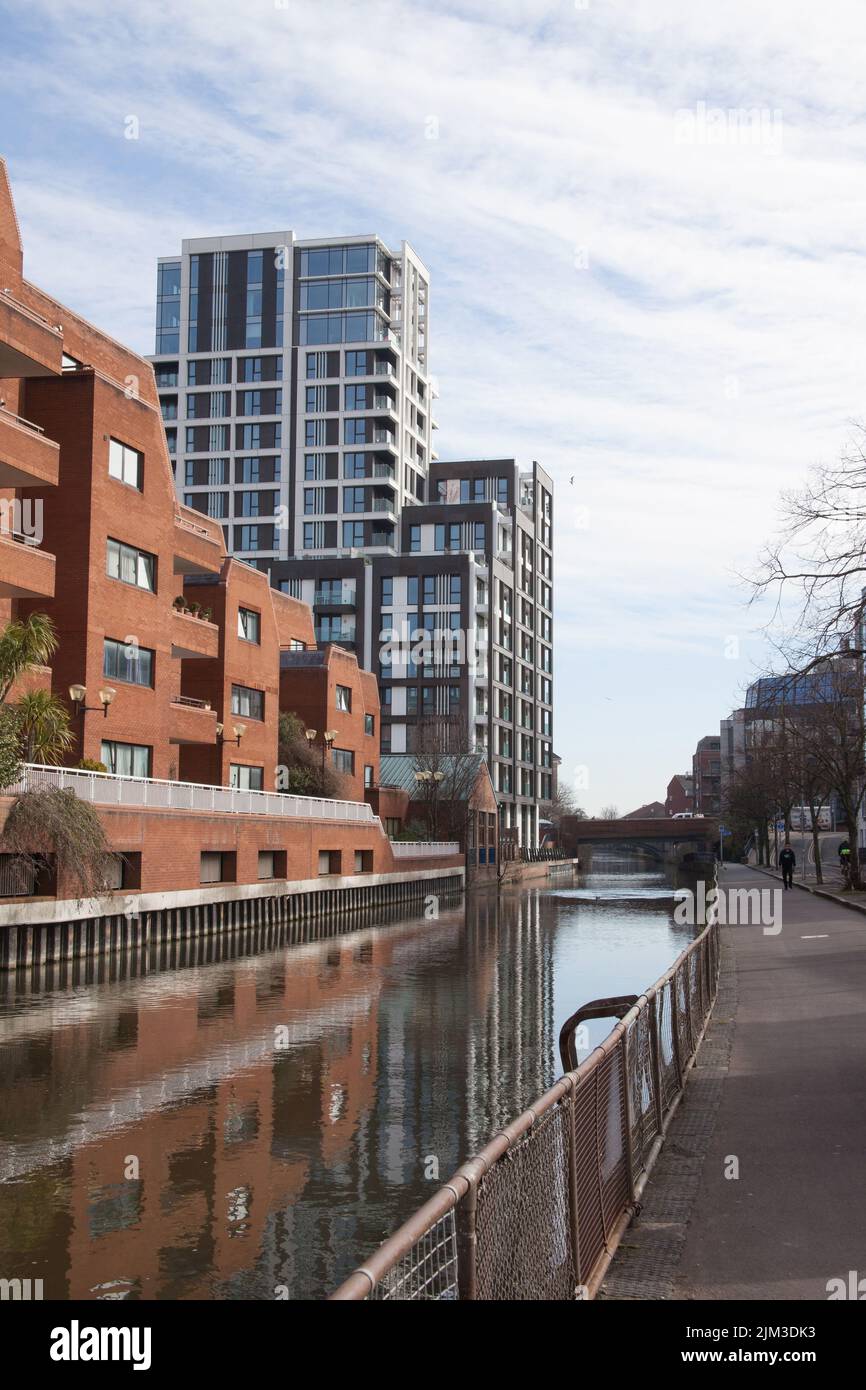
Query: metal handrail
point(116, 789)
point(580, 1156)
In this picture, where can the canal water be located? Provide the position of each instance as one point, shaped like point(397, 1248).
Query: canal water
point(252, 1127)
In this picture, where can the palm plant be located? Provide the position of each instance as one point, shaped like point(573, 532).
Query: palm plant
point(43, 727)
point(24, 644)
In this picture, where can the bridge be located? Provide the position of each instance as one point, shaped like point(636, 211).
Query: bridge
point(662, 837)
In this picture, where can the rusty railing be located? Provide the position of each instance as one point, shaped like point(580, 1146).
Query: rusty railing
point(538, 1213)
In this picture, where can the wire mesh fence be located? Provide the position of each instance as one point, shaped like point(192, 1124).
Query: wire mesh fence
point(539, 1211)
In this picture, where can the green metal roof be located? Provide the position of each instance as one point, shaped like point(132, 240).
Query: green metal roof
point(398, 769)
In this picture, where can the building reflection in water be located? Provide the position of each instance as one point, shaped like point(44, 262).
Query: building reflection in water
point(251, 1127)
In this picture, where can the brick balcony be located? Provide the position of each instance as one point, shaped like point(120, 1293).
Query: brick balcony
point(25, 570)
point(191, 721)
point(193, 637)
point(28, 458)
point(29, 344)
point(198, 544)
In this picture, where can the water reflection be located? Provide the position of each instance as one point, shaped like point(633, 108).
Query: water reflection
point(232, 1128)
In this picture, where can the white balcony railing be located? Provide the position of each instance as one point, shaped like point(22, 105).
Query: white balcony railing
point(108, 789)
point(416, 849)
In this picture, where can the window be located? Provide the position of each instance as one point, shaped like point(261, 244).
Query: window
point(344, 698)
point(358, 398)
point(369, 724)
point(329, 861)
point(353, 534)
point(412, 591)
point(248, 702)
point(355, 431)
point(126, 759)
point(368, 775)
point(344, 760)
point(217, 867)
point(353, 499)
point(249, 625)
point(414, 538)
point(131, 566)
point(127, 661)
point(247, 779)
point(387, 598)
point(125, 464)
point(272, 863)
point(356, 364)
point(314, 466)
point(354, 465)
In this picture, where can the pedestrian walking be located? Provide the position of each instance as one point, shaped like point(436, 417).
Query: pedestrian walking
point(787, 862)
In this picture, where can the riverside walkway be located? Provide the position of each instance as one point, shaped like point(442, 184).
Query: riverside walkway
point(778, 1097)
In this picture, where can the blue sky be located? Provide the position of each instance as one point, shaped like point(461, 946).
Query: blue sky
point(628, 284)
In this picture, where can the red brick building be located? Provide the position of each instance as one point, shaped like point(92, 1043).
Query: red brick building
point(707, 775)
point(332, 695)
point(680, 795)
point(169, 655)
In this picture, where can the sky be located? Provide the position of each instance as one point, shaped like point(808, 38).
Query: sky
point(644, 224)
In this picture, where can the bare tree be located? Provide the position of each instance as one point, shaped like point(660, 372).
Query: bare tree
point(608, 813)
point(818, 559)
point(564, 803)
point(446, 770)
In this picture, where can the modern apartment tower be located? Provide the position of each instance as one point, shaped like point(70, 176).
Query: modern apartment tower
point(475, 566)
point(297, 401)
point(294, 388)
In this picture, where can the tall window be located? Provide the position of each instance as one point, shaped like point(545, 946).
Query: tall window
point(126, 661)
point(131, 566)
point(125, 464)
point(248, 702)
point(249, 625)
point(344, 698)
point(126, 759)
point(344, 760)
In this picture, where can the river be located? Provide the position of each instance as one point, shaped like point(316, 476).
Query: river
point(252, 1127)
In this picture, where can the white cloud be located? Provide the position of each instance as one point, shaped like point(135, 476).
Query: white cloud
point(710, 351)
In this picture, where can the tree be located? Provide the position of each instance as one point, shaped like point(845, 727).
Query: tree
point(446, 769)
point(10, 748)
point(608, 813)
point(563, 803)
point(43, 727)
point(23, 645)
point(303, 771)
point(54, 822)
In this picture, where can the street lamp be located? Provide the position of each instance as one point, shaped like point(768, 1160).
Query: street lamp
point(327, 739)
point(237, 729)
point(78, 696)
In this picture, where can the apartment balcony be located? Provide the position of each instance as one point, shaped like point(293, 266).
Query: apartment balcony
point(28, 458)
point(385, 504)
point(25, 570)
point(335, 599)
point(386, 369)
point(193, 637)
point(198, 547)
point(191, 721)
point(29, 344)
point(385, 439)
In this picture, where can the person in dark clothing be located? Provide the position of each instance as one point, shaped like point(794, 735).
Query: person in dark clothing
point(787, 860)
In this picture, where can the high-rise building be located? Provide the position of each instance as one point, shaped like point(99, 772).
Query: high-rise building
point(294, 388)
point(297, 401)
point(458, 625)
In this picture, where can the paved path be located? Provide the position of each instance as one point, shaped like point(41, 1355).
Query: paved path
point(781, 1087)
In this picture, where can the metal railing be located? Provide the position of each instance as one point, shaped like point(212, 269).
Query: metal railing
point(113, 789)
point(539, 1212)
point(416, 849)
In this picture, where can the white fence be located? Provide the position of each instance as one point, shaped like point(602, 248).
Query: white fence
point(107, 789)
point(416, 849)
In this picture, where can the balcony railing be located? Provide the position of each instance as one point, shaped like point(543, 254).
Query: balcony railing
point(189, 703)
point(110, 789)
point(428, 849)
point(335, 598)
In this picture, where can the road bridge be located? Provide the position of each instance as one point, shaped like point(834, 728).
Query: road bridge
point(665, 837)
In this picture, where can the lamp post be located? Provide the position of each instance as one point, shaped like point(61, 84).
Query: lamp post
point(78, 696)
point(327, 740)
point(237, 729)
